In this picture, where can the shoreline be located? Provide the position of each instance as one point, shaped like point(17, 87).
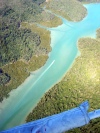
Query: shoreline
point(51, 69)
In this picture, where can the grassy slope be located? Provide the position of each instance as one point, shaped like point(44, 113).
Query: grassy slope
point(80, 83)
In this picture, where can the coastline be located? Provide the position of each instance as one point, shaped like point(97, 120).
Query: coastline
point(43, 73)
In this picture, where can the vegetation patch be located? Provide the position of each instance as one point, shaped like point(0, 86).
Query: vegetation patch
point(49, 19)
point(90, 1)
point(98, 34)
point(18, 72)
point(17, 43)
point(4, 78)
point(70, 9)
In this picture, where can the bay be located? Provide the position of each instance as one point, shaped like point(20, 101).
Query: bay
point(64, 38)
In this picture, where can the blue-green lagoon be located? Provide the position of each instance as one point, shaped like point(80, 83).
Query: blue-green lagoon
point(64, 38)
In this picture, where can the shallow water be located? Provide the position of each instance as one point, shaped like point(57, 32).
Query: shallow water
point(14, 110)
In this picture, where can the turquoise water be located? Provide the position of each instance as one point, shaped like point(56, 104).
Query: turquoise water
point(14, 110)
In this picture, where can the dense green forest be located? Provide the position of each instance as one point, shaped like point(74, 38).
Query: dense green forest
point(80, 83)
point(16, 43)
point(4, 77)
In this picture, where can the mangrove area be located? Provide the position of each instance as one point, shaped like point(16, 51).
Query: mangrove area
point(25, 48)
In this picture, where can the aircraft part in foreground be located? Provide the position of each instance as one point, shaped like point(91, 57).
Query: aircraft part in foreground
point(59, 123)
